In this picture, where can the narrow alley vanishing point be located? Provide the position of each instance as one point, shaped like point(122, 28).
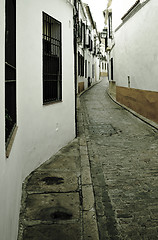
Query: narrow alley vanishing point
point(123, 157)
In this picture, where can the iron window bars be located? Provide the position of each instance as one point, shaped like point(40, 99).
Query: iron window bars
point(110, 25)
point(10, 69)
point(52, 60)
point(112, 69)
point(80, 65)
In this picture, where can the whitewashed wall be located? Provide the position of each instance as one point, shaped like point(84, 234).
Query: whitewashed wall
point(42, 130)
point(97, 69)
point(88, 55)
point(136, 50)
point(119, 8)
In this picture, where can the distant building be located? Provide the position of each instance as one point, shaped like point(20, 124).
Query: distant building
point(88, 61)
point(135, 54)
point(103, 56)
point(37, 98)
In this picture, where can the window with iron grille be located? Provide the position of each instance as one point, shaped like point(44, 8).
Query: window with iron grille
point(112, 69)
point(52, 60)
point(110, 25)
point(92, 70)
point(80, 31)
point(106, 43)
point(84, 35)
point(80, 65)
point(10, 69)
point(85, 68)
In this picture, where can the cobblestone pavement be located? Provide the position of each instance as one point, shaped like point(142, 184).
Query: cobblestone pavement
point(123, 153)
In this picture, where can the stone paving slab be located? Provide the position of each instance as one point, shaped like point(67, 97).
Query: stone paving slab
point(53, 232)
point(52, 207)
point(44, 181)
point(55, 198)
point(64, 162)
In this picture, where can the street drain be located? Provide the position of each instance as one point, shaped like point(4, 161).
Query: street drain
point(61, 215)
point(53, 180)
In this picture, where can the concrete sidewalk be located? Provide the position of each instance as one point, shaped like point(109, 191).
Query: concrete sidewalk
point(58, 200)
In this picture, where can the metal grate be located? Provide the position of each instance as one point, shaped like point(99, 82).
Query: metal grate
point(52, 63)
point(110, 25)
point(80, 65)
point(10, 69)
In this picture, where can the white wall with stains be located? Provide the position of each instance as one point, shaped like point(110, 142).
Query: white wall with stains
point(136, 49)
point(42, 130)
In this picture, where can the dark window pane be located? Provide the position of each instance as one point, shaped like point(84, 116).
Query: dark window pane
point(10, 68)
point(52, 68)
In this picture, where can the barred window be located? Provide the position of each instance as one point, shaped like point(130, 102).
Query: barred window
point(106, 43)
point(80, 65)
point(10, 69)
point(112, 69)
point(85, 68)
point(52, 60)
point(92, 70)
point(110, 25)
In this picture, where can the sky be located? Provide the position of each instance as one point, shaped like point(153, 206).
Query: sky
point(97, 7)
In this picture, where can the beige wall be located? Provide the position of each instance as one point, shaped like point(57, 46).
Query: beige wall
point(141, 101)
point(80, 87)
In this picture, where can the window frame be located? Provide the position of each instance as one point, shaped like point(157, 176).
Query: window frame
point(86, 68)
point(52, 77)
point(80, 65)
point(93, 70)
point(10, 72)
point(112, 69)
point(110, 24)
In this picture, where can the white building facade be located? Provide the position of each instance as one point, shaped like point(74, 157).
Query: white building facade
point(88, 45)
point(37, 98)
point(135, 55)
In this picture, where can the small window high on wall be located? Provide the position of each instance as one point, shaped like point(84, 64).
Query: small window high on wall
point(52, 60)
point(110, 24)
point(10, 69)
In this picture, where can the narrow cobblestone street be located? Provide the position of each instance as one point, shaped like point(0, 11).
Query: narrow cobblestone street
point(101, 186)
point(123, 157)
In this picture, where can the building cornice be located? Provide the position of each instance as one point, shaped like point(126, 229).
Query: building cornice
point(132, 11)
point(90, 15)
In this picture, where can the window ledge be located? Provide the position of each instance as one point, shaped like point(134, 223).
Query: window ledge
point(10, 144)
point(51, 103)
